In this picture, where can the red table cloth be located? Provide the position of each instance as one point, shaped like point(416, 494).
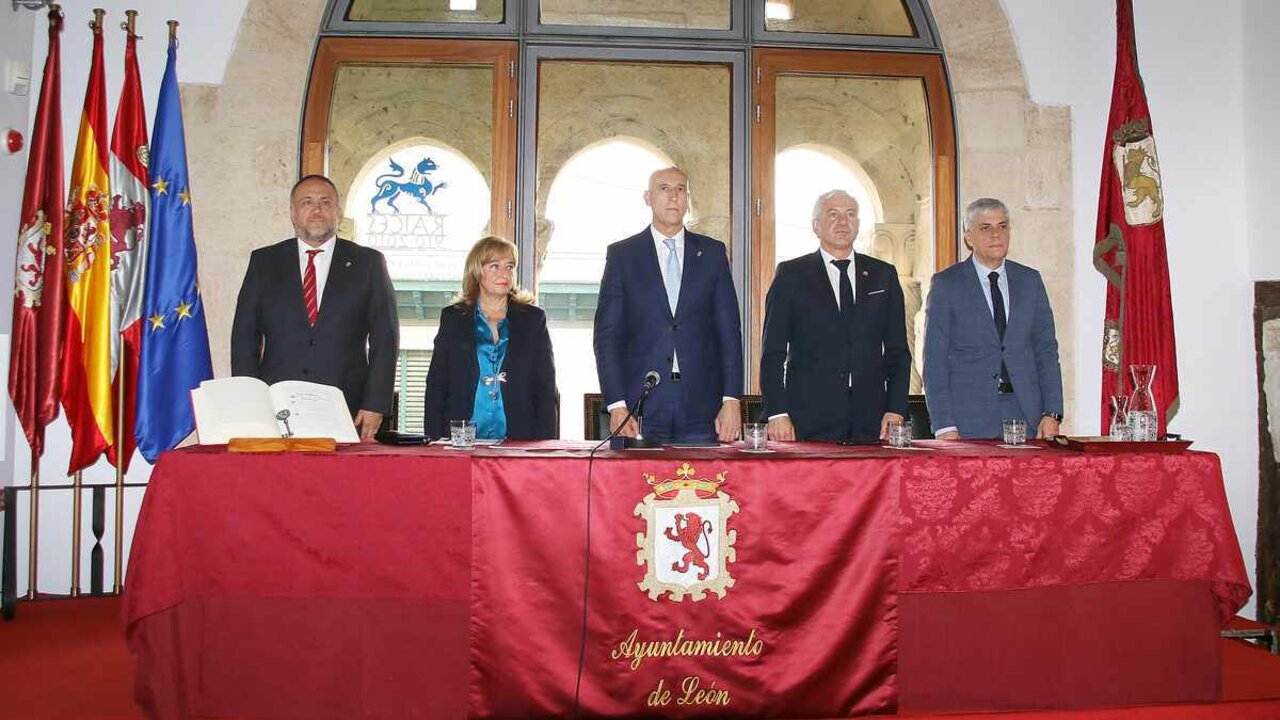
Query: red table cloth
point(393, 582)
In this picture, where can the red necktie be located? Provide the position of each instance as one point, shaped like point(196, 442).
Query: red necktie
point(309, 286)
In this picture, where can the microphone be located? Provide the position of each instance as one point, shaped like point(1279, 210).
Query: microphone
point(651, 380)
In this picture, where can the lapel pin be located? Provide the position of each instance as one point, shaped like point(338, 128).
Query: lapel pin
point(348, 263)
point(864, 273)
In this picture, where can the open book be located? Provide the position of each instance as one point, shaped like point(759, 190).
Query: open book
point(246, 407)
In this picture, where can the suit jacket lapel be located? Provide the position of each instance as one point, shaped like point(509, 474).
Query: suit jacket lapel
point(336, 284)
point(652, 267)
point(977, 295)
point(1021, 291)
point(691, 264)
point(292, 279)
point(822, 281)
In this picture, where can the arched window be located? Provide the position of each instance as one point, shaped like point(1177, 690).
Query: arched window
point(422, 204)
point(804, 172)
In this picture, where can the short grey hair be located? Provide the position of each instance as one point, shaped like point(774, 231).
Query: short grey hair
point(828, 195)
point(979, 206)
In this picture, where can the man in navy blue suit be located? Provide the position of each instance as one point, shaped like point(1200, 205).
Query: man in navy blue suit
point(667, 304)
point(990, 348)
point(834, 363)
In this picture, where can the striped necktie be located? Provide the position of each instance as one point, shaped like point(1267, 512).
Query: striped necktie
point(309, 287)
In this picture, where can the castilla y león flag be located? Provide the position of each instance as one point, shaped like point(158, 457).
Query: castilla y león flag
point(129, 220)
point(86, 367)
point(38, 304)
point(1130, 249)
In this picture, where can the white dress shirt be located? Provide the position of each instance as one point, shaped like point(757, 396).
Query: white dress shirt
point(833, 274)
point(323, 261)
point(983, 280)
point(659, 241)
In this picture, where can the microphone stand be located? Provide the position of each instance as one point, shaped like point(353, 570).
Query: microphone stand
point(640, 442)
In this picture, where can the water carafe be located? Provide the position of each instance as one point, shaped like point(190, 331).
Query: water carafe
point(1144, 418)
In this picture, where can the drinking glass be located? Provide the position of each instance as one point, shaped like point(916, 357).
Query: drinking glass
point(1120, 418)
point(900, 433)
point(1015, 431)
point(462, 433)
point(755, 436)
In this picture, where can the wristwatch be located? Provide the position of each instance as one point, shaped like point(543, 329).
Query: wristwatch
point(1057, 417)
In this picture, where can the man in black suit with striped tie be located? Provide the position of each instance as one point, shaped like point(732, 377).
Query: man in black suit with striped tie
point(319, 308)
point(834, 363)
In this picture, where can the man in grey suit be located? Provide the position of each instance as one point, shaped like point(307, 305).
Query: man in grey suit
point(319, 308)
point(990, 348)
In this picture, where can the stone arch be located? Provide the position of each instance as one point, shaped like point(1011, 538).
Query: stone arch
point(545, 226)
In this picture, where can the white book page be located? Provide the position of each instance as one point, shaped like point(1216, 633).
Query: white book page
point(315, 410)
point(233, 407)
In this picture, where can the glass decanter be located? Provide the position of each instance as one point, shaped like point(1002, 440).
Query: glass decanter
point(1144, 418)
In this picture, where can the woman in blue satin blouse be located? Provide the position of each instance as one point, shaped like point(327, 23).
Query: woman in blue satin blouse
point(492, 363)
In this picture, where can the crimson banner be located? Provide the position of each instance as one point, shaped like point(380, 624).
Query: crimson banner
point(1129, 249)
point(715, 588)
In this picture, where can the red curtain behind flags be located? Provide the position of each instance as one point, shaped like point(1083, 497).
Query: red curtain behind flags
point(1129, 249)
point(39, 307)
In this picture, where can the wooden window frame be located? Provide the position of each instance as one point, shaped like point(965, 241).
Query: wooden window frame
point(500, 55)
point(769, 63)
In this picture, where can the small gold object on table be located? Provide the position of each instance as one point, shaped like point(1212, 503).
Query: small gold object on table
point(281, 444)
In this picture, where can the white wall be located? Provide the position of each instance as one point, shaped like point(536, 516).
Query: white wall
point(1262, 109)
point(1193, 63)
point(206, 34)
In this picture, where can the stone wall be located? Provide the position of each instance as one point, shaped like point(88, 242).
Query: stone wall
point(678, 108)
point(1016, 150)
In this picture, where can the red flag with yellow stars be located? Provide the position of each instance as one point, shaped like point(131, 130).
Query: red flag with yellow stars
point(86, 367)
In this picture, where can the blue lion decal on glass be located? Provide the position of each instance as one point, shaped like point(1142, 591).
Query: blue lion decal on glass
point(419, 186)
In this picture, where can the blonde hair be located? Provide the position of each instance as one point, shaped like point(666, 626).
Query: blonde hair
point(485, 251)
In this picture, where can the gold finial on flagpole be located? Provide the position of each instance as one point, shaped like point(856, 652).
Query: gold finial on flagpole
point(96, 23)
point(173, 30)
point(128, 25)
point(55, 16)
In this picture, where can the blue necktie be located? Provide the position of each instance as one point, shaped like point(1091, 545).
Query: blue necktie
point(671, 275)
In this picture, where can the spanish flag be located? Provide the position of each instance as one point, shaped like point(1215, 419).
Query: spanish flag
point(86, 359)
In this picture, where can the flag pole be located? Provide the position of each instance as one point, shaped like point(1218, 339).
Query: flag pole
point(33, 538)
point(117, 586)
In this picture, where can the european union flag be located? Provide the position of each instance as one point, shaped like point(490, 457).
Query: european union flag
point(175, 338)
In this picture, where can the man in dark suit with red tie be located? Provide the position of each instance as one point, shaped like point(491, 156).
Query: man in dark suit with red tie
point(667, 304)
point(321, 309)
point(834, 363)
